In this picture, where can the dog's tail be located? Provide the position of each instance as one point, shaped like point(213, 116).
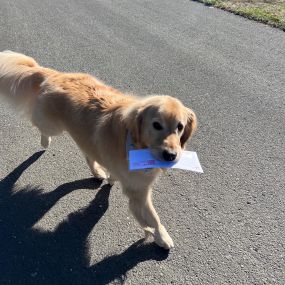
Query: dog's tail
point(20, 77)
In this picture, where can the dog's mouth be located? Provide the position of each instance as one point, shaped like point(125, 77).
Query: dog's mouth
point(165, 155)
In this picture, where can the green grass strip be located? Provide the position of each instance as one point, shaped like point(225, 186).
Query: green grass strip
point(253, 13)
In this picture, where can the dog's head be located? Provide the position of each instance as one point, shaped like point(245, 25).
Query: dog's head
point(162, 124)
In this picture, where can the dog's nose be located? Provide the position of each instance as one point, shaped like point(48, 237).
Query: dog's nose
point(169, 155)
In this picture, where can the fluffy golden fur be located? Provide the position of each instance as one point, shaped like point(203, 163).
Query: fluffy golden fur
point(98, 119)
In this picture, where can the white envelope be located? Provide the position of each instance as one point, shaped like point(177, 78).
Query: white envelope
point(143, 159)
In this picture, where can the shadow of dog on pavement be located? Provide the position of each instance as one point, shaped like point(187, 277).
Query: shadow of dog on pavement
point(29, 256)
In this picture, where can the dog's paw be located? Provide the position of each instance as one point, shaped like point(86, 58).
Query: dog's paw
point(162, 238)
point(45, 141)
point(99, 173)
point(149, 233)
point(111, 180)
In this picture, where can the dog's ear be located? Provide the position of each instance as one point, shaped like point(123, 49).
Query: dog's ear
point(134, 124)
point(190, 127)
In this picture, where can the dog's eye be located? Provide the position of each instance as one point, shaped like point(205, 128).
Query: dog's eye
point(157, 126)
point(180, 127)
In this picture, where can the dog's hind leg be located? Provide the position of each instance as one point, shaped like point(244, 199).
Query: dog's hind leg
point(45, 141)
point(96, 169)
point(47, 127)
point(111, 180)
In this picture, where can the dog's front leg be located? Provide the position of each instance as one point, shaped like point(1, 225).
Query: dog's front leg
point(140, 203)
point(96, 169)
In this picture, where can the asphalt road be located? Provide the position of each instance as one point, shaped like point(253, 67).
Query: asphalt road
point(59, 226)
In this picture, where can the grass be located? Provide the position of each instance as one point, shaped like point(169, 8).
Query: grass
point(271, 12)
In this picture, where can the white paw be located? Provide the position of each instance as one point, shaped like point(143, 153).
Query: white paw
point(162, 238)
point(45, 141)
point(111, 180)
point(149, 233)
point(99, 173)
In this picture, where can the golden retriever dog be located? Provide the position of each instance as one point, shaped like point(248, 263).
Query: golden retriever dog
point(99, 119)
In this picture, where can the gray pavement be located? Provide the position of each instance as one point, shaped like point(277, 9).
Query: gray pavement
point(59, 226)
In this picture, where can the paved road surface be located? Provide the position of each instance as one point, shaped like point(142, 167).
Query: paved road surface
point(56, 227)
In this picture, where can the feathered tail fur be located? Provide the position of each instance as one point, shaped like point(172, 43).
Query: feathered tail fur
point(20, 77)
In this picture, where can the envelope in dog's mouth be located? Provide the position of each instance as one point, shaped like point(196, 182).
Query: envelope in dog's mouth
point(143, 159)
